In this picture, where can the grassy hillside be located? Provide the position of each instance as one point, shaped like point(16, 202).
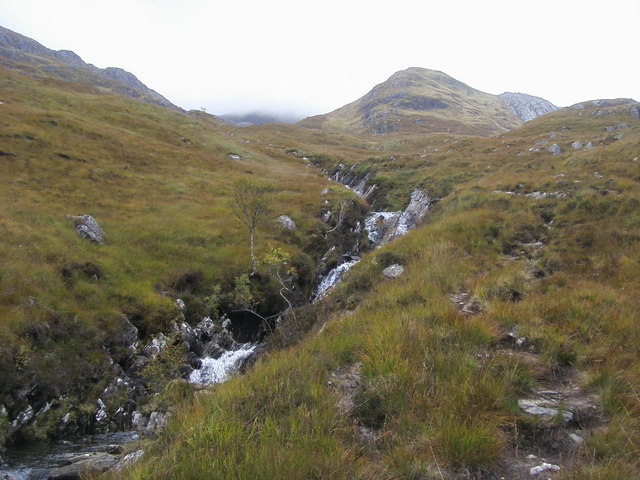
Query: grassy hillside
point(158, 182)
point(506, 297)
point(418, 101)
point(520, 287)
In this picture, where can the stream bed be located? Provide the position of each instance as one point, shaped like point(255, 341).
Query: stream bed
point(36, 461)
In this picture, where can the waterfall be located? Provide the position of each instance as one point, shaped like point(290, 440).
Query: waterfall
point(216, 370)
point(334, 276)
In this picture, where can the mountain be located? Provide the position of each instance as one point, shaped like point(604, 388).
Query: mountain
point(526, 107)
point(417, 101)
point(23, 54)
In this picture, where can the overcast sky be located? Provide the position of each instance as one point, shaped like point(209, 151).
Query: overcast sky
point(313, 57)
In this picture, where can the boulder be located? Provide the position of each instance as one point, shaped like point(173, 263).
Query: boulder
point(88, 228)
point(555, 149)
point(576, 145)
point(86, 465)
point(393, 271)
point(287, 222)
point(634, 111)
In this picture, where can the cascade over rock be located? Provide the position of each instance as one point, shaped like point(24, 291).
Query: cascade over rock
point(384, 226)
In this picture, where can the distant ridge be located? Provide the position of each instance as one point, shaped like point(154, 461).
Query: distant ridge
point(257, 118)
point(21, 53)
point(418, 100)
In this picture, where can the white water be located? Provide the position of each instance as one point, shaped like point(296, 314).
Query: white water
point(216, 370)
point(333, 277)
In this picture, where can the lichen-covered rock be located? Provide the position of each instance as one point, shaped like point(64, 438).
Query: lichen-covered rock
point(554, 149)
point(88, 228)
point(393, 271)
point(287, 222)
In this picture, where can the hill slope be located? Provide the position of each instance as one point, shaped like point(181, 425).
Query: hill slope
point(158, 182)
point(416, 101)
point(21, 53)
point(509, 341)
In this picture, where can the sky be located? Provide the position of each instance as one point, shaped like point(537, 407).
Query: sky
point(304, 58)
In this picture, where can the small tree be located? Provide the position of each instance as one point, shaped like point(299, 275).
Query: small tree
point(277, 262)
point(251, 202)
point(342, 201)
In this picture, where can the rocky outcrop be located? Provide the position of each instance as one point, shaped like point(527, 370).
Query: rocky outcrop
point(384, 226)
point(349, 177)
point(526, 107)
point(87, 227)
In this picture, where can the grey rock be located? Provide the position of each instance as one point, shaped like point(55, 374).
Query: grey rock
point(576, 438)
point(634, 111)
point(157, 422)
point(576, 145)
point(23, 417)
point(156, 345)
point(86, 465)
point(555, 149)
point(383, 226)
point(543, 468)
point(393, 271)
point(526, 107)
point(206, 329)
point(126, 336)
point(128, 459)
point(543, 409)
point(101, 414)
point(139, 421)
point(350, 178)
point(87, 227)
point(287, 222)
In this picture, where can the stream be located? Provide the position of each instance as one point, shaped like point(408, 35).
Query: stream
point(35, 461)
